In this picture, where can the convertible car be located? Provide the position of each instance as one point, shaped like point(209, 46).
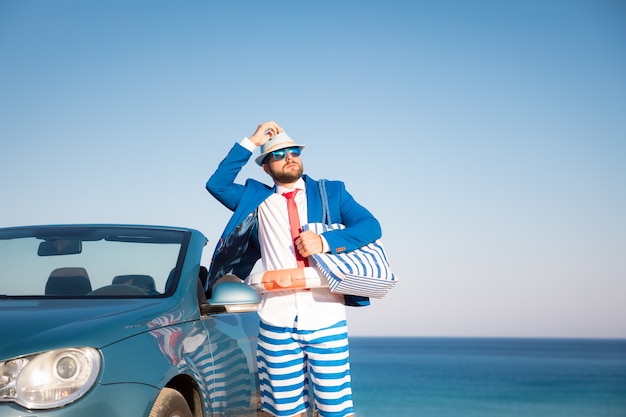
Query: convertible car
point(112, 321)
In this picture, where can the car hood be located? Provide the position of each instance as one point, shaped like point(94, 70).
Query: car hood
point(36, 325)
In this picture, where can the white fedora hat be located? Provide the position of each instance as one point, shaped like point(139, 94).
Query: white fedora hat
point(276, 142)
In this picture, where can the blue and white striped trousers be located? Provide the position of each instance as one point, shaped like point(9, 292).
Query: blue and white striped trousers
point(292, 360)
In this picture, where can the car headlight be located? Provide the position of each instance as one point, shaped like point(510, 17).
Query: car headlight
point(51, 379)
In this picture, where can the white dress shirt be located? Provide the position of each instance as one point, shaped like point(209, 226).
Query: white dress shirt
point(315, 308)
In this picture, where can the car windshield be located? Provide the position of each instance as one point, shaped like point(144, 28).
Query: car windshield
point(89, 261)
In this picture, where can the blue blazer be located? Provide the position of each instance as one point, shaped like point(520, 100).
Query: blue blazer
point(238, 248)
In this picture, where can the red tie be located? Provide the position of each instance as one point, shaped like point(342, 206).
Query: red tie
point(294, 223)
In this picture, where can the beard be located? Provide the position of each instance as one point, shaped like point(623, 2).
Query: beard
point(286, 176)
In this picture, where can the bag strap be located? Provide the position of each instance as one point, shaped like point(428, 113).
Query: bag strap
point(350, 300)
point(324, 197)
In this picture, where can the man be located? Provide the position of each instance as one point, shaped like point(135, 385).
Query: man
point(303, 342)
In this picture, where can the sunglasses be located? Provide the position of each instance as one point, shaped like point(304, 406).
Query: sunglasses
point(280, 154)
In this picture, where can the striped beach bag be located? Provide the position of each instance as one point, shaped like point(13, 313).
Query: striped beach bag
point(364, 271)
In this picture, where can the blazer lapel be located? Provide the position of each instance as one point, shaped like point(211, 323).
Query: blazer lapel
point(314, 202)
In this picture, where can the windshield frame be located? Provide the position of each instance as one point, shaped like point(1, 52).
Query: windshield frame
point(86, 234)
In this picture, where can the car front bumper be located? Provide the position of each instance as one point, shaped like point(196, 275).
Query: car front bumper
point(114, 400)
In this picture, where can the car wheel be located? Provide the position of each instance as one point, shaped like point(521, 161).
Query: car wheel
point(170, 403)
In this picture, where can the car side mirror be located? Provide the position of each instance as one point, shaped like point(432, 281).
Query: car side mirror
point(232, 297)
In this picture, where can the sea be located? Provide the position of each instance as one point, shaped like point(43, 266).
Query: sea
point(488, 377)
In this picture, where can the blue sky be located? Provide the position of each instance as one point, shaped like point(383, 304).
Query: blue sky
point(488, 137)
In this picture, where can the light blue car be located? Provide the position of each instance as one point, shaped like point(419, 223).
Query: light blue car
point(112, 321)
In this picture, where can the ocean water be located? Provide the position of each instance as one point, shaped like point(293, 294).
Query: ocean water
point(450, 377)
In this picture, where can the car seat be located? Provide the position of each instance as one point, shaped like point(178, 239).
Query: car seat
point(68, 281)
point(145, 282)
